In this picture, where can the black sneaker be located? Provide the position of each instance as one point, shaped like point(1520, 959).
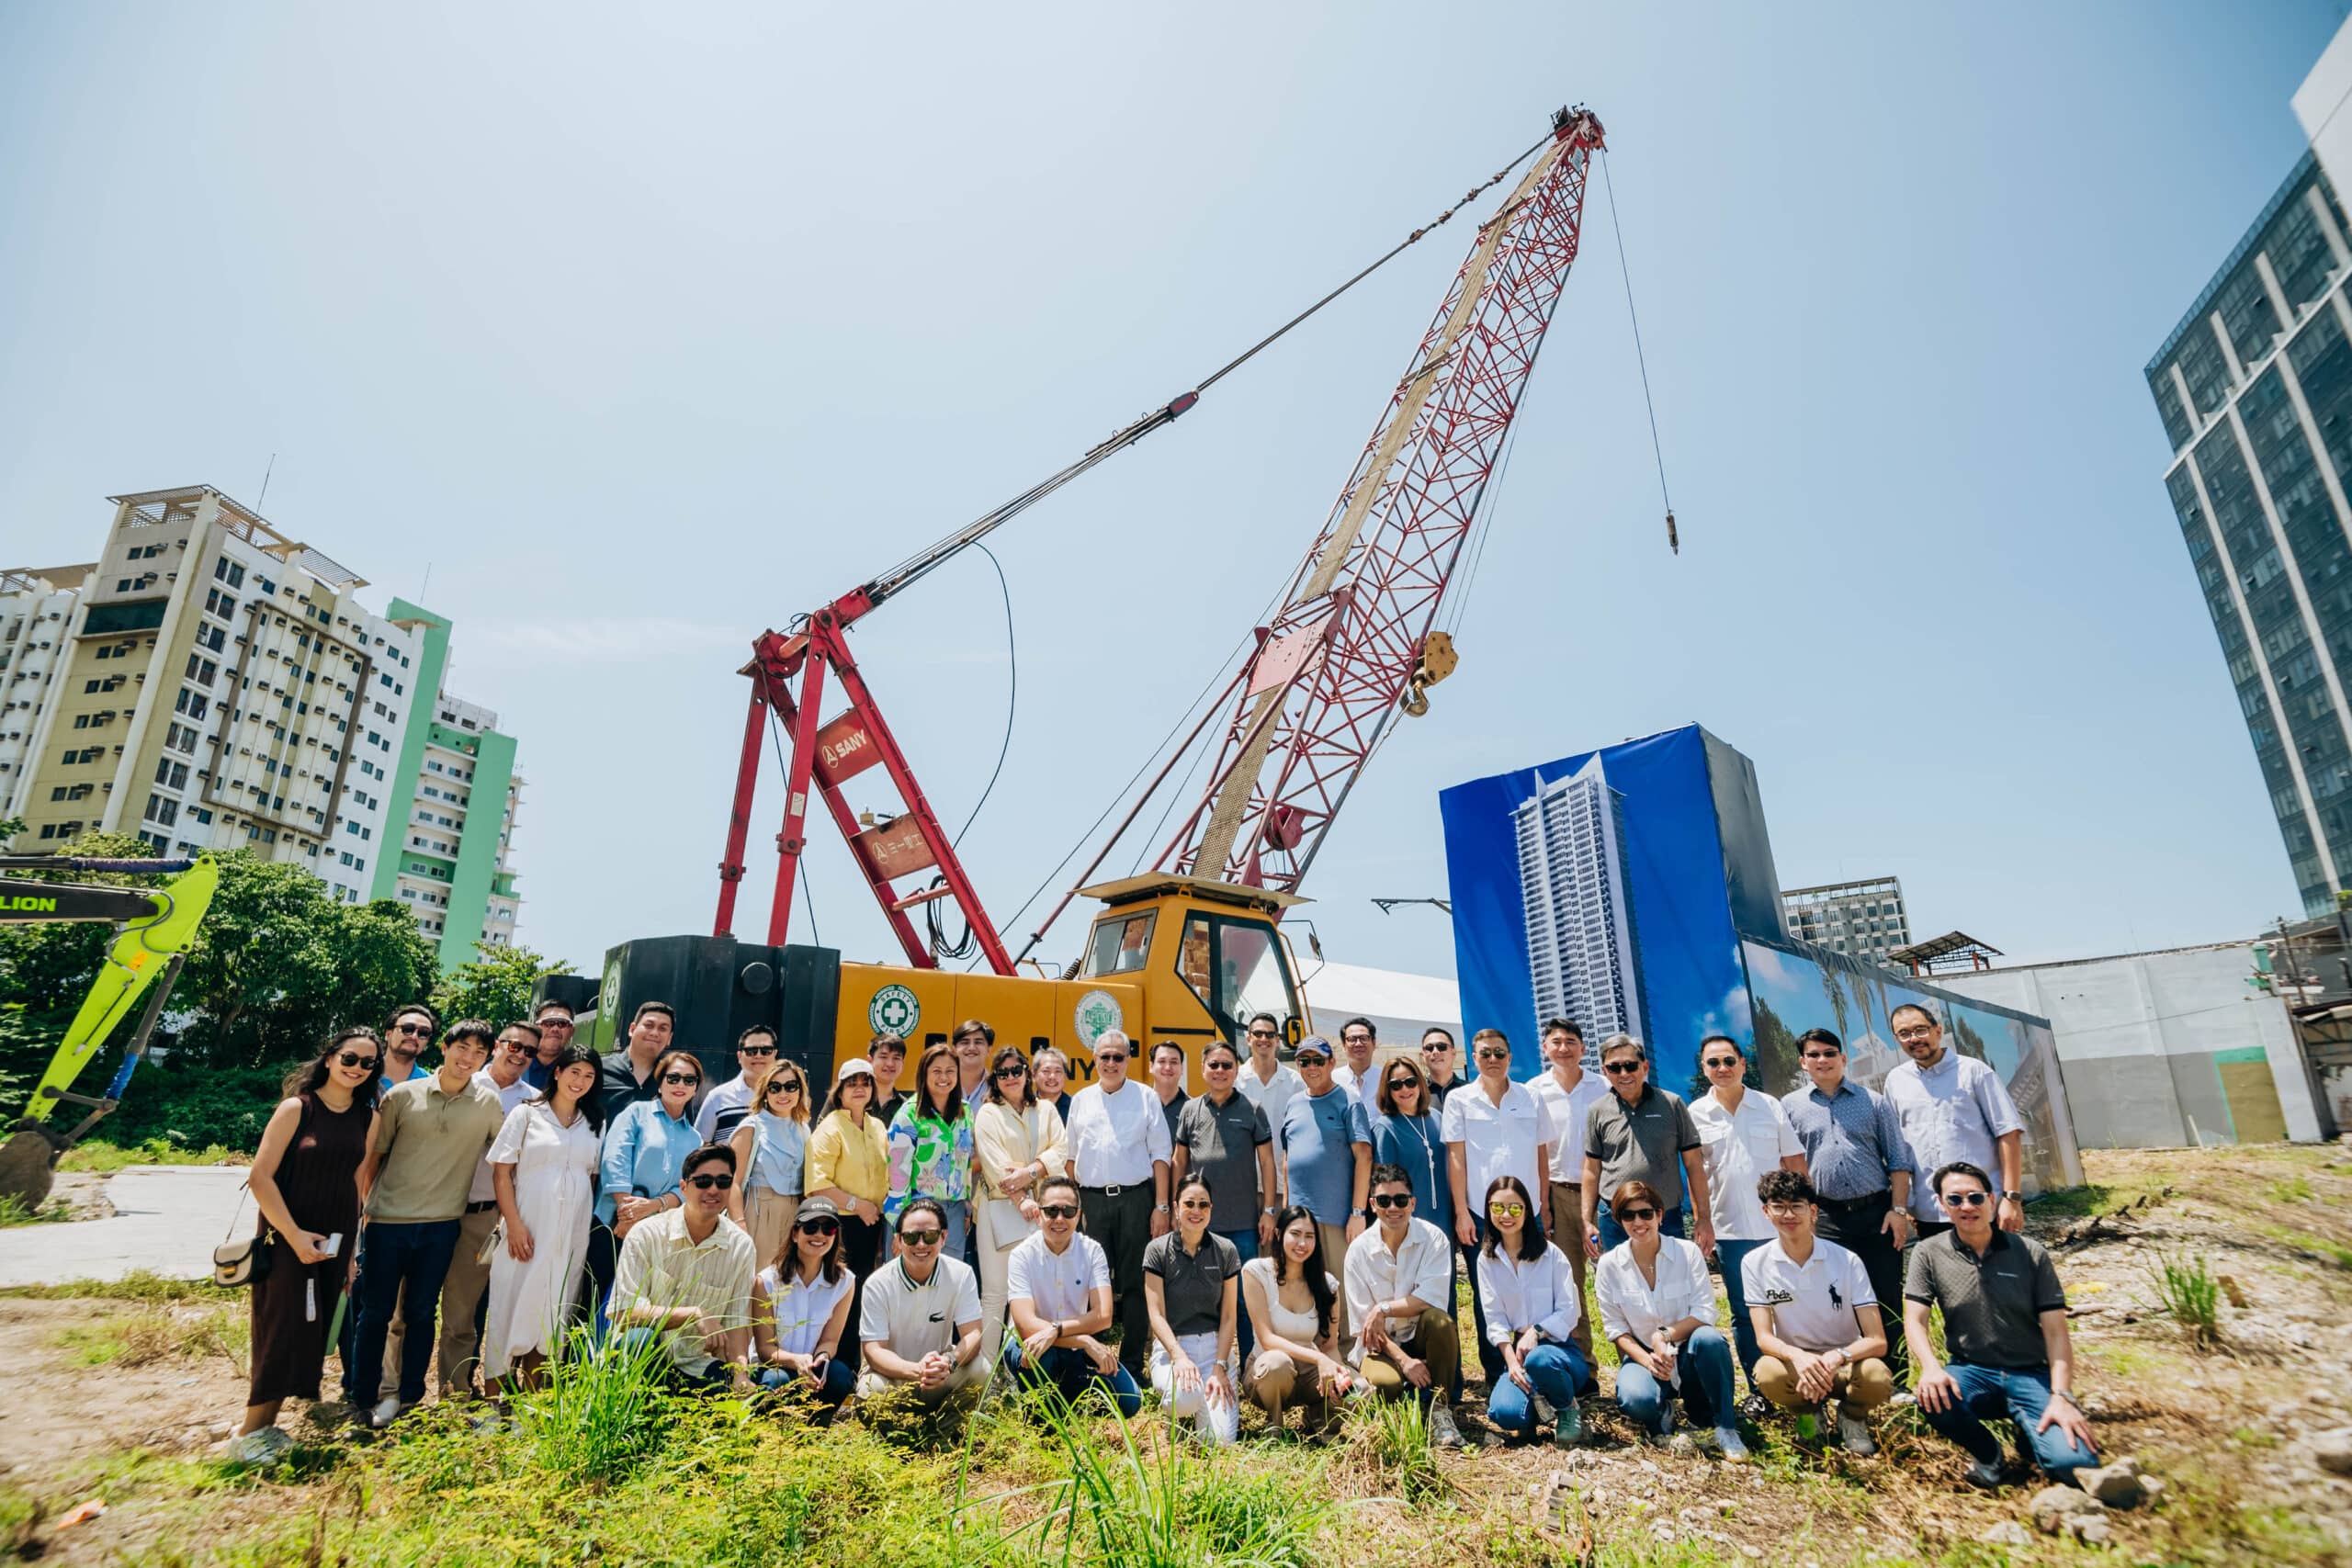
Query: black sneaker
point(1755, 1407)
point(1984, 1477)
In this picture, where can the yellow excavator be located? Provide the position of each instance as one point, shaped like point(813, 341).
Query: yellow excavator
point(156, 926)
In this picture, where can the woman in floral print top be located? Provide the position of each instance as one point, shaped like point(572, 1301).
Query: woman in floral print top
point(931, 1148)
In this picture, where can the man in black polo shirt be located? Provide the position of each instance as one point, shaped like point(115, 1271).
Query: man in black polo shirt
point(2005, 1331)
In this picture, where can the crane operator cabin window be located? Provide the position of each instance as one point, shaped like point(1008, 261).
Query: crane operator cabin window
point(1120, 946)
point(1237, 968)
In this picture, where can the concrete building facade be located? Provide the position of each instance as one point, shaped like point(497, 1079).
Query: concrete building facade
point(2166, 1048)
point(1582, 951)
point(1862, 919)
point(211, 683)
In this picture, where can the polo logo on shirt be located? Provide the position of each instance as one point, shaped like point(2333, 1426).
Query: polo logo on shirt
point(1835, 1299)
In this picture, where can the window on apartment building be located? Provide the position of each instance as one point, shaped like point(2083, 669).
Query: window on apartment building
point(171, 774)
point(163, 809)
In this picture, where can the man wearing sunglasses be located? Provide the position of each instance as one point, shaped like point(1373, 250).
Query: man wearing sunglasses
point(1399, 1281)
point(1642, 1133)
point(1492, 1128)
point(1442, 1064)
point(1569, 1093)
point(1745, 1135)
point(685, 1277)
point(1057, 1288)
point(728, 1104)
point(921, 1316)
point(1120, 1152)
point(1326, 1139)
point(1264, 1080)
point(468, 1277)
point(2007, 1353)
point(410, 1031)
point(553, 1020)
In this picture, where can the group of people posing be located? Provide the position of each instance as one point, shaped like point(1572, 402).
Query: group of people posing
point(1294, 1234)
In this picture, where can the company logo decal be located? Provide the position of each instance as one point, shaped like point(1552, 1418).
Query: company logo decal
point(1096, 1011)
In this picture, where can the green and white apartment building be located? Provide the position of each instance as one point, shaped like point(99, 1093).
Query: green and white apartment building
point(209, 683)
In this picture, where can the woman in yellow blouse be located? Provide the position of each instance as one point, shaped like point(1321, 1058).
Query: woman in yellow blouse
point(849, 1162)
point(1018, 1141)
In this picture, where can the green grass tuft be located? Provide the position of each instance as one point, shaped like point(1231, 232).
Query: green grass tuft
point(138, 1285)
point(2187, 1289)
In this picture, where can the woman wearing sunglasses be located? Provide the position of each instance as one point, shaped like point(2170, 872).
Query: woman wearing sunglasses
point(1657, 1305)
point(304, 1180)
point(770, 1148)
point(543, 1167)
point(1533, 1303)
point(799, 1310)
point(1191, 1292)
point(1018, 1141)
point(647, 1145)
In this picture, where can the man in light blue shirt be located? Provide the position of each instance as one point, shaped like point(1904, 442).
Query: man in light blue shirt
point(1954, 1108)
point(1325, 1141)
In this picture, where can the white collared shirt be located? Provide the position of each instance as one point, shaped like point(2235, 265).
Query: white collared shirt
point(1813, 1304)
point(1057, 1284)
point(1740, 1148)
point(1115, 1139)
point(1274, 1099)
point(1631, 1304)
point(1957, 1110)
point(1421, 1266)
point(1567, 1107)
point(1519, 1293)
point(1496, 1140)
point(735, 1095)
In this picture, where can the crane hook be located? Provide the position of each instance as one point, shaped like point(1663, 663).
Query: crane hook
point(1672, 541)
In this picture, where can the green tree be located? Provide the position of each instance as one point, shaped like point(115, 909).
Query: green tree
point(496, 987)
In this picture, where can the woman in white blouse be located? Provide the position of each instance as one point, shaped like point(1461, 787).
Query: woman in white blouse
point(799, 1310)
point(1531, 1305)
point(1017, 1142)
point(543, 1169)
point(1657, 1304)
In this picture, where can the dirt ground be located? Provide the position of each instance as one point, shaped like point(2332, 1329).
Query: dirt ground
point(2229, 1428)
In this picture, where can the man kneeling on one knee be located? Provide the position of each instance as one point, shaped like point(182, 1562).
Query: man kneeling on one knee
point(2004, 1331)
point(1815, 1316)
point(920, 1318)
point(1399, 1282)
point(684, 1279)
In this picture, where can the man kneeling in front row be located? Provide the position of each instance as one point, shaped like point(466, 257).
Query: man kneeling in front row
point(921, 1320)
point(1815, 1316)
point(685, 1278)
point(2004, 1331)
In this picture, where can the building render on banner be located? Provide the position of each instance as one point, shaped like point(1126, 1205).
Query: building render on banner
point(1583, 956)
point(211, 683)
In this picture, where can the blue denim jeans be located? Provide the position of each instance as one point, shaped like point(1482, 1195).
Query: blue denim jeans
point(1706, 1386)
point(838, 1382)
point(1613, 1234)
point(1244, 1338)
point(393, 1257)
point(1731, 1254)
point(1070, 1373)
point(1989, 1392)
point(1557, 1370)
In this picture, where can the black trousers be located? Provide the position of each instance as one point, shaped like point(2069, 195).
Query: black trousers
point(862, 1251)
point(1120, 1222)
point(1856, 1224)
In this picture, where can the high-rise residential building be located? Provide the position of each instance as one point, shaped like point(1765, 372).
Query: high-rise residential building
point(2255, 390)
point(1582, 951)
point(1865, 919)
point(210, 685)
point(456, 789)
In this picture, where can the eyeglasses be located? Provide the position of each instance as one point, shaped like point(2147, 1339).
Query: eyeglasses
point(1967, 1200)
point(1785, 1208)
point(420, 1029)
point(721, 1180)
point(1917, 1031)
point(1058, 1210)
point(353, 1059)
point(1355, 1039)
point(1621, 1069)
point(687, 1078)
point(755, 1050)
point(1391, 1200)
point(925, 1237)
point(1119, 1056)
point(1194, 1203)
point(1494, 1053)
point(819, 1226)
point(1015, 1071)
point(1623, 1215)
point(1722, 1061)
point(1510, 1206)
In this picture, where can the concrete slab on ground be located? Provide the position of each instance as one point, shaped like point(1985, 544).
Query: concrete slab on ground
point(167, 1219)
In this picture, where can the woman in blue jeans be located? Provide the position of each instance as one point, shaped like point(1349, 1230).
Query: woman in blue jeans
point(1658, 1307)
point(800, 1309)
point(1532, 1305)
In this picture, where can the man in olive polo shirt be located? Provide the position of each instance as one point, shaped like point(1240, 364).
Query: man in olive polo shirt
point(2007, 1349)
point(1640, 1131)
point(431, 1134)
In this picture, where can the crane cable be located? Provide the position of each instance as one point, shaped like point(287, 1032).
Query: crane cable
point(1624, 272)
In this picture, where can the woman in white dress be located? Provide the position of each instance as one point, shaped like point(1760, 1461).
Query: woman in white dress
point(543, 1164)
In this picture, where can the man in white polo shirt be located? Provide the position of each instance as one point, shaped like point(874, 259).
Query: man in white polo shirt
point(1742, 1135)
point(1492, 1127)
point(1120, 1152)
point(1567, 1091)
point(1815, 1316)
point(920, 1320)
point(1057, 1292)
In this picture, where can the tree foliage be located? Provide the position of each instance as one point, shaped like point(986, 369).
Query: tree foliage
point(496, 985)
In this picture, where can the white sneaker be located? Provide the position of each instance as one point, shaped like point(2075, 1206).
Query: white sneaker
point(1442, 1431)
point(263, 1445)
point(1855, 1433)
point(1729, 1443)
point(388, 1410)
point(1544, 1415)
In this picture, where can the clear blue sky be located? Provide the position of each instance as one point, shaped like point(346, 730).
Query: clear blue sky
point(647, 328)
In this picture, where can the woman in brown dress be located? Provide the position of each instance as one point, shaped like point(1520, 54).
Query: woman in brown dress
point(305, 1182)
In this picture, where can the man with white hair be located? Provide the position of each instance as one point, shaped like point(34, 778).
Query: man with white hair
point(1119, 1154)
